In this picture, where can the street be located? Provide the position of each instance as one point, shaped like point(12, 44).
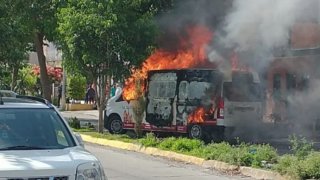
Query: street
point(124, 165)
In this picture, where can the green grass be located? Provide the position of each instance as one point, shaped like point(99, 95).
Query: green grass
point(302, 163)
point(91, 132)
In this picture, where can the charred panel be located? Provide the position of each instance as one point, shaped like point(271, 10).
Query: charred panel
point(172, 95)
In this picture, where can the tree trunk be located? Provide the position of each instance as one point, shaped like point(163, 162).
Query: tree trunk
point(101, 100)
point(14, 76)
point(44, 78)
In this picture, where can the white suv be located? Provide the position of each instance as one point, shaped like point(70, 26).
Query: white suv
point(36, 143)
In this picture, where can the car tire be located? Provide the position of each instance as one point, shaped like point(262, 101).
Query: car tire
point(195, 131)
point(115, 125)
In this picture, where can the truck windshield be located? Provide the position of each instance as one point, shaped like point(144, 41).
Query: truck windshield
point(22, 129)
point(242, 92)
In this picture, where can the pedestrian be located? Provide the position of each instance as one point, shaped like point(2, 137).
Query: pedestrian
point(107, 90)
point(118, 89)
point(113, 90)
point(91, 93)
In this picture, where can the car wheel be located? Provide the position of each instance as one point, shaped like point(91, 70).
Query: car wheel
point(196, 131)
point(115, 125)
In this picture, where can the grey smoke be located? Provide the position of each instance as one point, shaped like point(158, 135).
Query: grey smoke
point(264, 23)
point(256, 28)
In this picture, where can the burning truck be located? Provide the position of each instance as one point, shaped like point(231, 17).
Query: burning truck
point(197, 102)
point(186, 93)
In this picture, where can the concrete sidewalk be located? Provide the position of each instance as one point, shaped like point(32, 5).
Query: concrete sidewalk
point(92, 115)
point(85, 117)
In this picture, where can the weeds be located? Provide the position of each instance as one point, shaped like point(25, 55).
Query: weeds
point(300, 146)
point(149, 141)
point(74, 123)
point(303, 163)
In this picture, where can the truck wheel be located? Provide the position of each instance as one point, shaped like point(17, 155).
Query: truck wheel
point(115, 125)
point(196, 131)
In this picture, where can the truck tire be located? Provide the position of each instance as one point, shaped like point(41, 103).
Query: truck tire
point(195, 131)
point(115, 125)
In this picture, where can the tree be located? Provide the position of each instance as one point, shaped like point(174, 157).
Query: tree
point(14, 43)
point(98, 37)
point(39, 16)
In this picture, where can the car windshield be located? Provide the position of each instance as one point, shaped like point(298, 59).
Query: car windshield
point(33, 129)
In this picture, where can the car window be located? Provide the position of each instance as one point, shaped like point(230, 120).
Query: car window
point(245, 92)
point(41, 128)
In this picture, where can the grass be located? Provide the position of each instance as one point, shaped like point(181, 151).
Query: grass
point(93, 133)
point(302, 163)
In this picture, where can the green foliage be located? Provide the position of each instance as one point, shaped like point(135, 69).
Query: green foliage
point(27, 81)
point(186, 145)
point(149, 141)
point(74, 123)
point(290, 165)
point(300, 146)
point(5, 77)
point(218, 151)
point(243, 154)
point(310, 167)
point(167, 143)
point(306, 168)
point(103, 36)
point(263, 155)
point(76, 87)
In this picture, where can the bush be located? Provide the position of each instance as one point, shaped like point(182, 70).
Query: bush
point(167, 143)
point(300, 146)
point(77, 87)
point(310, 167)
point(289, 165)
point(219, 151)
point(263, 156)
point(242, 155)
point(186, 145)
point(74, 123)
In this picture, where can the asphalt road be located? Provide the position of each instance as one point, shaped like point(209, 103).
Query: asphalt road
point(127, 165)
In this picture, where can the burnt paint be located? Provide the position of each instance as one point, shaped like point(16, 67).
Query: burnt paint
point(174, 110)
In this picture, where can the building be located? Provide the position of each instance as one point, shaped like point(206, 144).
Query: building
point(295, 67)
point(52, 54)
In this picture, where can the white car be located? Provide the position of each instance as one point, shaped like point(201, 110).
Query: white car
point(8, 93)
point(36, 143)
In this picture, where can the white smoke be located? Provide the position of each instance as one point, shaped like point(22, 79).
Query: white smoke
point(261, 23)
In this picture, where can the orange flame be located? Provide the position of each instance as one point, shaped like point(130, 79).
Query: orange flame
point(191, 54)
point(236, 65)
point(197, 116)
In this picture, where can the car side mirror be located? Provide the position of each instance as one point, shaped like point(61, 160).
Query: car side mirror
point(79, 139)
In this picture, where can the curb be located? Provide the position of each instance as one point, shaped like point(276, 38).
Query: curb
point(211, 164)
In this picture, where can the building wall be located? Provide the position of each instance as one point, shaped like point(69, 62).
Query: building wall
point(52, 54)
point(290, 72)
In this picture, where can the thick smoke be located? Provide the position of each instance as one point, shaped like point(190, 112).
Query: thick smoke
point(256, 30)
point(263, 23)
point(185, 13)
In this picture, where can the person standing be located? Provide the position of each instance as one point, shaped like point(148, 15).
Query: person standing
point(118, 89)
point(113, 90)
point(91, 93)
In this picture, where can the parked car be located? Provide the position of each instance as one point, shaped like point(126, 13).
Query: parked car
point(37, 143)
